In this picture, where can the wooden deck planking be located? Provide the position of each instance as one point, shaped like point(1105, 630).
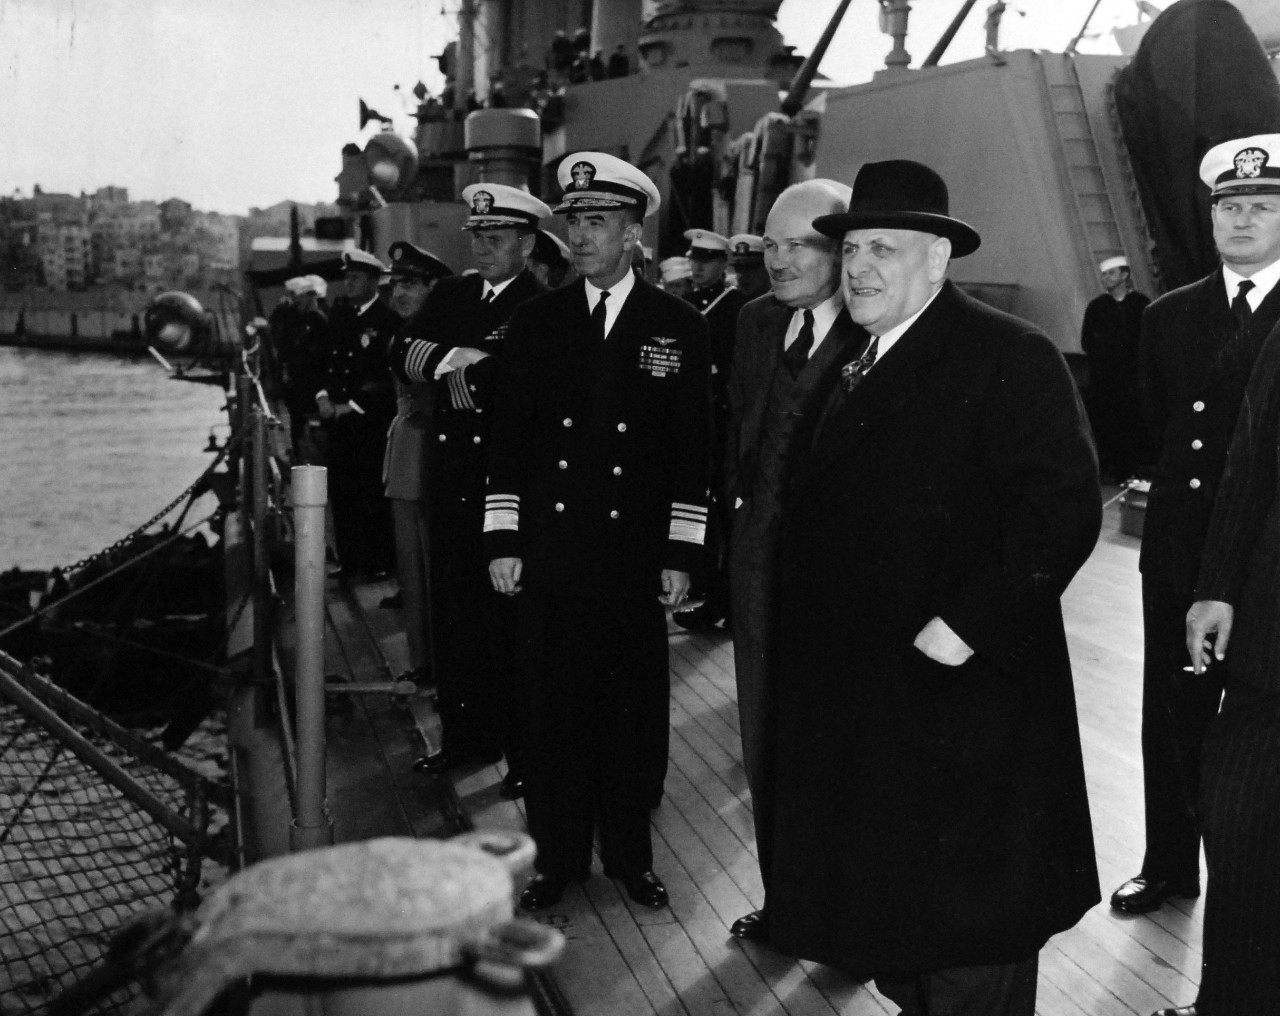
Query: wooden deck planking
point(627, 961)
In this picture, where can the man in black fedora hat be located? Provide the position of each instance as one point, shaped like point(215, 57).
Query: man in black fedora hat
point(923, 694)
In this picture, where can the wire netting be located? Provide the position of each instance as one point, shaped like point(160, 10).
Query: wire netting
point(79, 860)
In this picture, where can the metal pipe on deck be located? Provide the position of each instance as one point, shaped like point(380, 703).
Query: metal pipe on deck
point(262, 624)
point(312, 826)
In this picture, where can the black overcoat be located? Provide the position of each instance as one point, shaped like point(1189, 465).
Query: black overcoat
point(929, 816)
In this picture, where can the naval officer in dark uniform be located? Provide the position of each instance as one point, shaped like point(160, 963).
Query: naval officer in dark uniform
point(1197, 348)
point(719, 301)
point(357, 405)
point(596, 513)
point(456, 353)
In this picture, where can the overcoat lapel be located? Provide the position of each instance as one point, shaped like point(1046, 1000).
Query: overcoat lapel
point(887, 389)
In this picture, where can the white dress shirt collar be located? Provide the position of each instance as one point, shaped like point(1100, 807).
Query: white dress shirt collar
point(824, 316)
point(618, 294)
point(890, 338)
point(1263, 282)
point(495, 290)
point(365, 306)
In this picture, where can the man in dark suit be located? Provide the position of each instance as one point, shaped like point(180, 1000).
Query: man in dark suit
point(788, 343)
point(457, 353)
point(1238, 602)
point(1198, 347)
point(931, 826)
point(357, 405)
point(596, 512)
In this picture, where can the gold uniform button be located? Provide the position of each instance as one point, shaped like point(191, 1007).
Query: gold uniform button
point(1198, 406)
point(476, 439)
point(563, 464)
point(1195, 484)
point(622, 428)
point(568, 422)
point(1197, 444)
point(559, 506)
point(613, 514)
point(617, 470)
point(441, 437)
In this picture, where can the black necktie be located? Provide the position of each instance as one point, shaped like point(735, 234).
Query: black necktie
point(797, 354)
point(488, 299)
point(597, 315)
point(851, 373)
point(1240, 305)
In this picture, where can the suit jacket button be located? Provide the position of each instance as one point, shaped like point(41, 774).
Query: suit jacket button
point(622, 427)
point(613, 514)
point(441, 437)
point(617, 470)
point(563, 464)
point(1195, 484)
point(1197, 444)
point(568, 422)
point(559, 506)
point(1198, 406)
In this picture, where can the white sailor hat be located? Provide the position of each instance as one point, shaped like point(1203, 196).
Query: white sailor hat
point(704, 244)
point(673, 269)
point(498, 205)
point(746, 248)
point(314, 284)
point(596, 182)
point(1116, 262)
point(362, 260)
point(296, 285)
point(1243, 166)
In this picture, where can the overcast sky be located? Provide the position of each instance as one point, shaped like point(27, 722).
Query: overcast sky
point(235, 103)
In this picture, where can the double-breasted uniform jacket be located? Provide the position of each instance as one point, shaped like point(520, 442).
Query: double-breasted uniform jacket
point(457, 451)
point(1194, 365)
point(929, 816)
point(357, 367)
point(1241, 563)
point(598, 472)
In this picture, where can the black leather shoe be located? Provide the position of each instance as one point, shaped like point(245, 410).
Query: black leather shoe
point(754, 927)
point(543, 891)
point(699, 618)
point(512, 786)
point(1182, 1010)
point(1141, 895)
point(646, 888)
point(452, 758)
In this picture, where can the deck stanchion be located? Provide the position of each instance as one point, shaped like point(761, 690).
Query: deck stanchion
point(262, 622)
point(244, 399)
point(312, 826)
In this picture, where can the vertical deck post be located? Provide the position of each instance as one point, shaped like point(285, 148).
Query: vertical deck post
point(312, 826)
point(262, 623)
point(240, 422)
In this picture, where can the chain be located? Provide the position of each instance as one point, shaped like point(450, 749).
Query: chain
point(133, 537)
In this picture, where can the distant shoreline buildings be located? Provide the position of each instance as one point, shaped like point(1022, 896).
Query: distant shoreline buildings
point(63, 243)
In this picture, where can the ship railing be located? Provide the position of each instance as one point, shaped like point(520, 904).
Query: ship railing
point(275, 504)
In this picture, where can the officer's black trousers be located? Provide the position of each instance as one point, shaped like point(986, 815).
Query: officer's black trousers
point(361, 514)
point(1176, 709)
point(599, 689)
